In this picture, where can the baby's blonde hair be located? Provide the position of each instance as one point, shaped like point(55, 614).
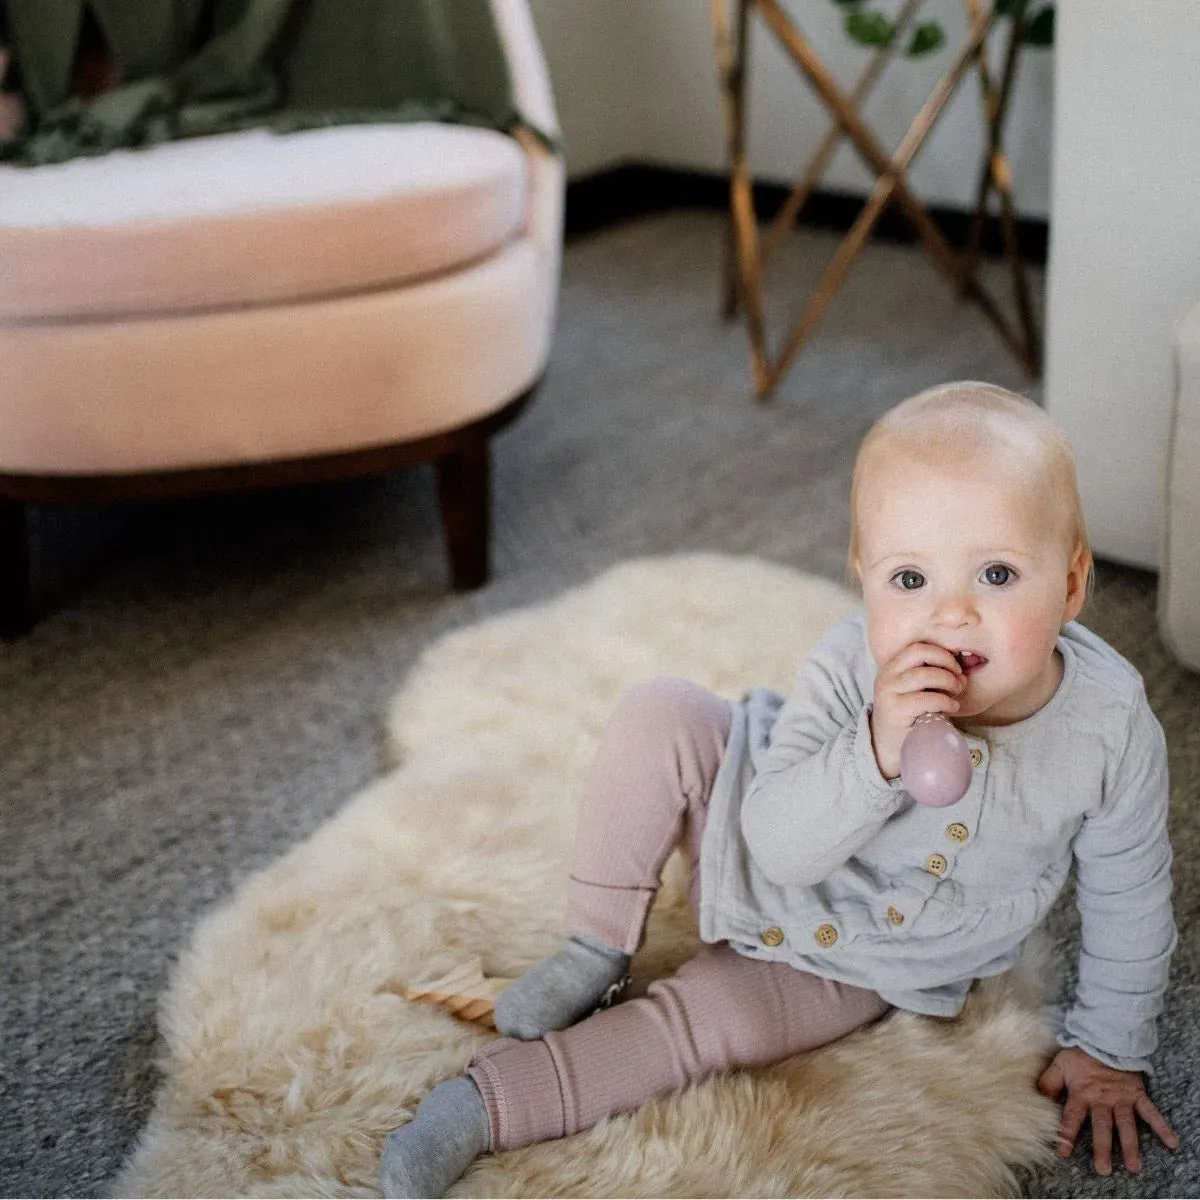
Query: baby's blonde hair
point(959, 421)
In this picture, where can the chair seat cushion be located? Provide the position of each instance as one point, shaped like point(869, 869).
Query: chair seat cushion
point(253, 218)
point(179, 391)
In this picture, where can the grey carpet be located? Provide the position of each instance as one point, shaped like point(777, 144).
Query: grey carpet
point(216, 690)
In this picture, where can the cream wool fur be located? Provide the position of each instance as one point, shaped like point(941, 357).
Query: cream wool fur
point(290, 1052)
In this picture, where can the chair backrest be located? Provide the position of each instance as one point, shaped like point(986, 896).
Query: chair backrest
point(477, 60)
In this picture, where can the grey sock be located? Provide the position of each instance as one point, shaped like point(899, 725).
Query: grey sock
point(427, 1156)
point(561, 989)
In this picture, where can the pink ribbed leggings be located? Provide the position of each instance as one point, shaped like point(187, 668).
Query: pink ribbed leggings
point(647, 793)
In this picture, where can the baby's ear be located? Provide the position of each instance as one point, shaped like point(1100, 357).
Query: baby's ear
point(1079, 575)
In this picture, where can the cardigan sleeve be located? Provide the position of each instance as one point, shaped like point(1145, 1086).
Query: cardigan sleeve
point(818, 794)
point(1123, 890)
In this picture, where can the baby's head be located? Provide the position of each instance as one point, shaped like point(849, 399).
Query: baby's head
point(967, 532)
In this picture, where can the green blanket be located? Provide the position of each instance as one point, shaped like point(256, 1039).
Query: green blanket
point(193, 67)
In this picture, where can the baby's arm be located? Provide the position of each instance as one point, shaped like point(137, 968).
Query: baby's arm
point(1123, 869)
point(820, 795)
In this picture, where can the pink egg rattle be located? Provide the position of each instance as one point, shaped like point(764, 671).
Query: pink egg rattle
point(935, 762)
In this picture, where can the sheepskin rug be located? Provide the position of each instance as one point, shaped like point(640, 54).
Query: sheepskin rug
point(290, 1052)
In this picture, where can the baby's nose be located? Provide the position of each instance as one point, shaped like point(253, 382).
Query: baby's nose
point(955, 608)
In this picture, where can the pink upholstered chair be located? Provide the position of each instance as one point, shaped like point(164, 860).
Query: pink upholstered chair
point(252, 310)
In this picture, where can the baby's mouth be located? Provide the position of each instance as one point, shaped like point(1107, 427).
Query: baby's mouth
point(970, 661)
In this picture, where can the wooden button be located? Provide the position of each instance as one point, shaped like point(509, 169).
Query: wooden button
point(772, 936)
point(976, 756)
point(935, 864)
point(957, 832)
point(895, 915)
point(826, 935)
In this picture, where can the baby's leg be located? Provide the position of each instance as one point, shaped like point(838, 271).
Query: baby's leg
point(720, 1011)
point(647, 790)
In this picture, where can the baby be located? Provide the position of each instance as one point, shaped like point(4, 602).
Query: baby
point(826, 896)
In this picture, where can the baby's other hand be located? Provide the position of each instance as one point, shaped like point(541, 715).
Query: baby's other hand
point(922, 678)
point(1109, 1097)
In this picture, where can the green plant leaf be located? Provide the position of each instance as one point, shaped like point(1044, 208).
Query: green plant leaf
point(870, 28)
point(1040, 30)
point(847, 3)
point(1009, 8)
point(927, 37)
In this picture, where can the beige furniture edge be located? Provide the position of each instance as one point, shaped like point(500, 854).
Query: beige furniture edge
point(1179, 578)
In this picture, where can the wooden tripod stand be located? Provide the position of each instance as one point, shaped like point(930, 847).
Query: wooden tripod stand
point(745, 258)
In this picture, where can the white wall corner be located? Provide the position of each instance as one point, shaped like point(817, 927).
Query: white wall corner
point(594, 74)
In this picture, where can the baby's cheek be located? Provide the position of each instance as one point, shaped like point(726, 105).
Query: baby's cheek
point(1031, 641)
point(885, 636)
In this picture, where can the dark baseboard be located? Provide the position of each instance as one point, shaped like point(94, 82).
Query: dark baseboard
point(631, 190)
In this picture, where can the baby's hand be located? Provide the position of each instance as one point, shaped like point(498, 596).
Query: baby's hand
point(921, 678)
point(1096, 1089)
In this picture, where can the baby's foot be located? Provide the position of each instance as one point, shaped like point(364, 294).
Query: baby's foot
point(427, 1156)
point(561, 989)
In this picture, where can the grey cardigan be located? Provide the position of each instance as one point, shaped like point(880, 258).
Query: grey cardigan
point(811, 857)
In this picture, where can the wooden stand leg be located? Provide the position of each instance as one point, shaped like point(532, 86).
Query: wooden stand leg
point(997, 176)
point(464, 491)
point(734, 81)
point(792, 206)
point(16, 596)
point(744, 225)
point(745, 257)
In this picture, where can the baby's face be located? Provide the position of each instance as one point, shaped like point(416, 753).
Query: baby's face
point(968, 558)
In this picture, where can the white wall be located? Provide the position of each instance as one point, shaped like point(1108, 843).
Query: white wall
point(636, 79)
point(1125, 252)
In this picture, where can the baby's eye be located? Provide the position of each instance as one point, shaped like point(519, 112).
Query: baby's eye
point(998, 575)
point(909, 580)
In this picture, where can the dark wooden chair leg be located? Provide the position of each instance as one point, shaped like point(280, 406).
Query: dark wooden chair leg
point(465, 493)
point(16, 594)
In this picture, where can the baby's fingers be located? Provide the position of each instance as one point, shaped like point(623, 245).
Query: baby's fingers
point(904, 710)
point(1146, 1110)
point(1074, 1114)
point(924, 654)
point(1102, 1138)
point(1052, 1081)
point(927, 679)
point(1127, 1135)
